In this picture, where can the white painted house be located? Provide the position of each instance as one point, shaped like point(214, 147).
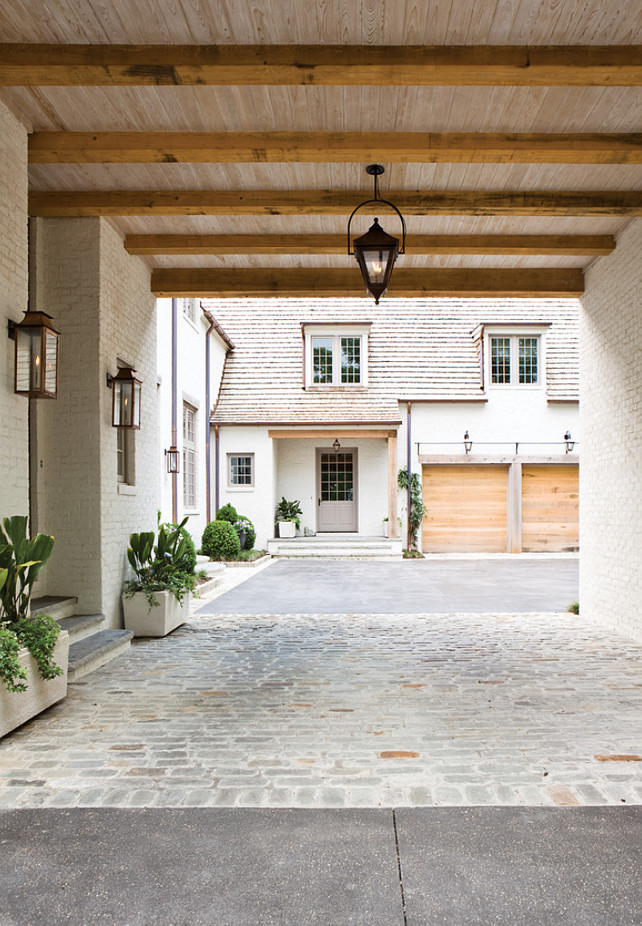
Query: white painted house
point(324, 401)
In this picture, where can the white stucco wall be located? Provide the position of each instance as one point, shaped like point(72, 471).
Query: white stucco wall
point(258, 501)
point(611, 472)
point(191, 388)
point(14, 444)
point(102, 303)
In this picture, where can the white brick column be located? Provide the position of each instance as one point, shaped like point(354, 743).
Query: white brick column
point(611, 425)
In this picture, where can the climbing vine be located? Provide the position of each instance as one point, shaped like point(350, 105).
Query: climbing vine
point(417, 508)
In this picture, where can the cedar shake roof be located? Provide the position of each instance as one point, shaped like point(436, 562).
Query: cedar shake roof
point(420, 350)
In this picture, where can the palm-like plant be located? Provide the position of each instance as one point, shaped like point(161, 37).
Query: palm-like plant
point(159, 567)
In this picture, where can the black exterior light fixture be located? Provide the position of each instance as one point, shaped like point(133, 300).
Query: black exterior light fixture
point(336, 446)
point(125, 406)
point(172, 457)
point(36, 356)
point(468, 444)
point(570, 443)
point(376, 251)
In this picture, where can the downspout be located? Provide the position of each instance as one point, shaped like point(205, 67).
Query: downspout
point(217, 465)
point(409, 469)
point(208, 399)
point(174, 404)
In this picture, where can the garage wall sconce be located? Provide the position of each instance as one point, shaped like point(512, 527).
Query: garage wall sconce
point(336, 446)
point(569, 442)
point(468, 444)
point(36, 356)
point(125, 406)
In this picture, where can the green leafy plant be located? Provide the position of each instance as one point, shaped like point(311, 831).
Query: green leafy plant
point(227, 513)
point(289, 511)
point(21, 559)
point(220, 541)
point(418, 510)
point(187, 562)
point(574, 607)
point(159, 567)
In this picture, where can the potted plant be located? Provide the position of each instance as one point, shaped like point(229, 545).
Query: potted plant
point(157, 599)
point(34, 652)
point(287, 516)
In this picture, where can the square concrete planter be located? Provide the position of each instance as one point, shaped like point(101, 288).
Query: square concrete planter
point(146, 621)
point(18, 707)
point(286, 528)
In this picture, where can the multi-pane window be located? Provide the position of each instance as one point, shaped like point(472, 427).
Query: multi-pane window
point(240, 469)
point(337, 360)
point(514, 359)
point(350, 360)
point(125, 449)
point(189, 309)
point(337, 477)
point(189, 456)
point(322, 359)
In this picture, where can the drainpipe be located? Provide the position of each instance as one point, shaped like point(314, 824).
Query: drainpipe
point(217, 465)
point(174, 404)
point(208, 399)
point(408, 466)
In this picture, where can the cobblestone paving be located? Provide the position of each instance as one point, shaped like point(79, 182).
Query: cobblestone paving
point(344, 710)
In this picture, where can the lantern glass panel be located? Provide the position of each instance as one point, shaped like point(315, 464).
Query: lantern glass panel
point(123, 394)
point(51, 362)
point(27, 344)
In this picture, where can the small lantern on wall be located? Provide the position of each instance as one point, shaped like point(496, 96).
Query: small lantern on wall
point(172, 457)
point(568, 440)
point(468, 444)
point(36, 356)
point(125, 407)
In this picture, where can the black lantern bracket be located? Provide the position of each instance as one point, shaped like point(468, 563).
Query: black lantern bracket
point(375, 171)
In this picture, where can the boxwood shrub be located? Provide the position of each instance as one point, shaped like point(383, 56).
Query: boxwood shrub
point(220, 541)
point(227, 513)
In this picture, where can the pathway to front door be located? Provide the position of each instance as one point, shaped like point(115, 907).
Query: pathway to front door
point(344, 710)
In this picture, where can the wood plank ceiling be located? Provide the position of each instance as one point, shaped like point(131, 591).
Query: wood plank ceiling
point(227, 142)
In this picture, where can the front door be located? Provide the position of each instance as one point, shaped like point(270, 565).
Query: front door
point(336, 490)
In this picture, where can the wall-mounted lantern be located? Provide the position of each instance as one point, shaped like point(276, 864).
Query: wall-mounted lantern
point(125, 407)
point(376, 251)
point(468, 444)
point(336, 445)
point(36, 356)
point(172, 458)
point(570, 443)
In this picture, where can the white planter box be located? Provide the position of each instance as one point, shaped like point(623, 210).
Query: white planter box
point(18, 707)
point(386, 528)
point(286, 528)
point(146, 621)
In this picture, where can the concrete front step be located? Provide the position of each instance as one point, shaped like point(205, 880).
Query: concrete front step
point(339, 548)
point(81, 626)
point(92, 652)
point(58, 607)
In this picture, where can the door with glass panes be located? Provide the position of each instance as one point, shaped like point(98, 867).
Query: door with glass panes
point(336, 490)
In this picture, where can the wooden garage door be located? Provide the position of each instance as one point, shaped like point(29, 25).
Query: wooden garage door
point(550, 508)
point(466, 509)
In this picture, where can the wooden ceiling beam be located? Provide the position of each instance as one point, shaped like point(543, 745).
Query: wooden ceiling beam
point(522, 245)
point(323, 202)
point(330, 65)
point(333, 147)
point(549, 282)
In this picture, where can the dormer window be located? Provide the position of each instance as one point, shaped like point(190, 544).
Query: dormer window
point(336, 355)
point(514, 356)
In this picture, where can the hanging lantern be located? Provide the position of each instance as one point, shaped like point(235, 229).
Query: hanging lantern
point(125, 399)
point(376, 251)
point(36, 365)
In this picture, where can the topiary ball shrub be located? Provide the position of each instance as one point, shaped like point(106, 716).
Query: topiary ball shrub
point(220, 541)
point(227, 513)
point(250, 533)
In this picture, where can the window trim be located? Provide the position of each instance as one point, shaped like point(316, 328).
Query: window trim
point(336, 331)
point(514, 333)
point(191, 503)
point(240, 487)
point(193, 302)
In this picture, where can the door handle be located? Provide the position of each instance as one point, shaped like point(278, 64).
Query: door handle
point(319, 502)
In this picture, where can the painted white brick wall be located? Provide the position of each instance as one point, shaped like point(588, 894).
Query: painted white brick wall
point(256, 503)
point(101, 300)
point(14, 443)
point(611, 420)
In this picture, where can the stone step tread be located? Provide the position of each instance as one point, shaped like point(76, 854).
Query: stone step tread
point(95, 646)
point(80, 624)
point(57, 606)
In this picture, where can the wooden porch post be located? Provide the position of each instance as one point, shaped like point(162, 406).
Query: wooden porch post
point(393, 524)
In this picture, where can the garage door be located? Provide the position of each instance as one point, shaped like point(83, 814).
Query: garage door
point(466, 509)
point(550, 508)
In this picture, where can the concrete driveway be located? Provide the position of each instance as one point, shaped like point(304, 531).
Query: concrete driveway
point(475, 585)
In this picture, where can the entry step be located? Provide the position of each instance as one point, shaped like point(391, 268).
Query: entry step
point(96, 650)
point(337, 547)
